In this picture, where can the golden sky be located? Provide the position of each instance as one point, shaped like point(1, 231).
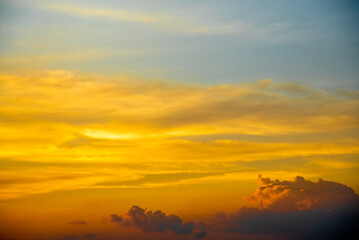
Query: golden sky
point(177, 120)
point(84, 146)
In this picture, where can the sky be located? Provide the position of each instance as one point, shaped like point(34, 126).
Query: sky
point(178, 119)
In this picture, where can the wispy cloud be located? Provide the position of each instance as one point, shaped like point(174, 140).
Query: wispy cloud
point(111, 14)
point(162, 21)
point(60, 117)
point(186, 24)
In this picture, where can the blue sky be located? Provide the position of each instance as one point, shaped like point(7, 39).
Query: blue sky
point(206, 42)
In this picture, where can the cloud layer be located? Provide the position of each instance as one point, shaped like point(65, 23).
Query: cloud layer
point(223, 132)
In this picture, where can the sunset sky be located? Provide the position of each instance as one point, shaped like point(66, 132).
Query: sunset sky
point(163, 119)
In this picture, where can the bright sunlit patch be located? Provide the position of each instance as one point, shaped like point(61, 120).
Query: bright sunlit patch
point(108, 135)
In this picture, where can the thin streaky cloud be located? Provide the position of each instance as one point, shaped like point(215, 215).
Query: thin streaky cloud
point(269, 32)
point(158, 20)
point(111, 14)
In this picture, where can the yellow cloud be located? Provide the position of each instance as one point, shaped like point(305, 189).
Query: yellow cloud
point(118, 128)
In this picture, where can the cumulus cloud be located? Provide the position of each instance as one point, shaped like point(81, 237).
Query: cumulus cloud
point(301, 194)
point(156, 221)
point(116, 218)
point(79, 222)
point(298, 209)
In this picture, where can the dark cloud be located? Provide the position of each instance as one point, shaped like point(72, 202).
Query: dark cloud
point(200, 234)
point(79, 222)
point(296, 209)
point(201, 225)
point(308, 224)
point(156, 221)
point(116, 218)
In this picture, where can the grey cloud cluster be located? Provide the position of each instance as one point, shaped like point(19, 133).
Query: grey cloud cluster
point(296, 209)
point(156, 221)
point(301, 194)
point(116, 218)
